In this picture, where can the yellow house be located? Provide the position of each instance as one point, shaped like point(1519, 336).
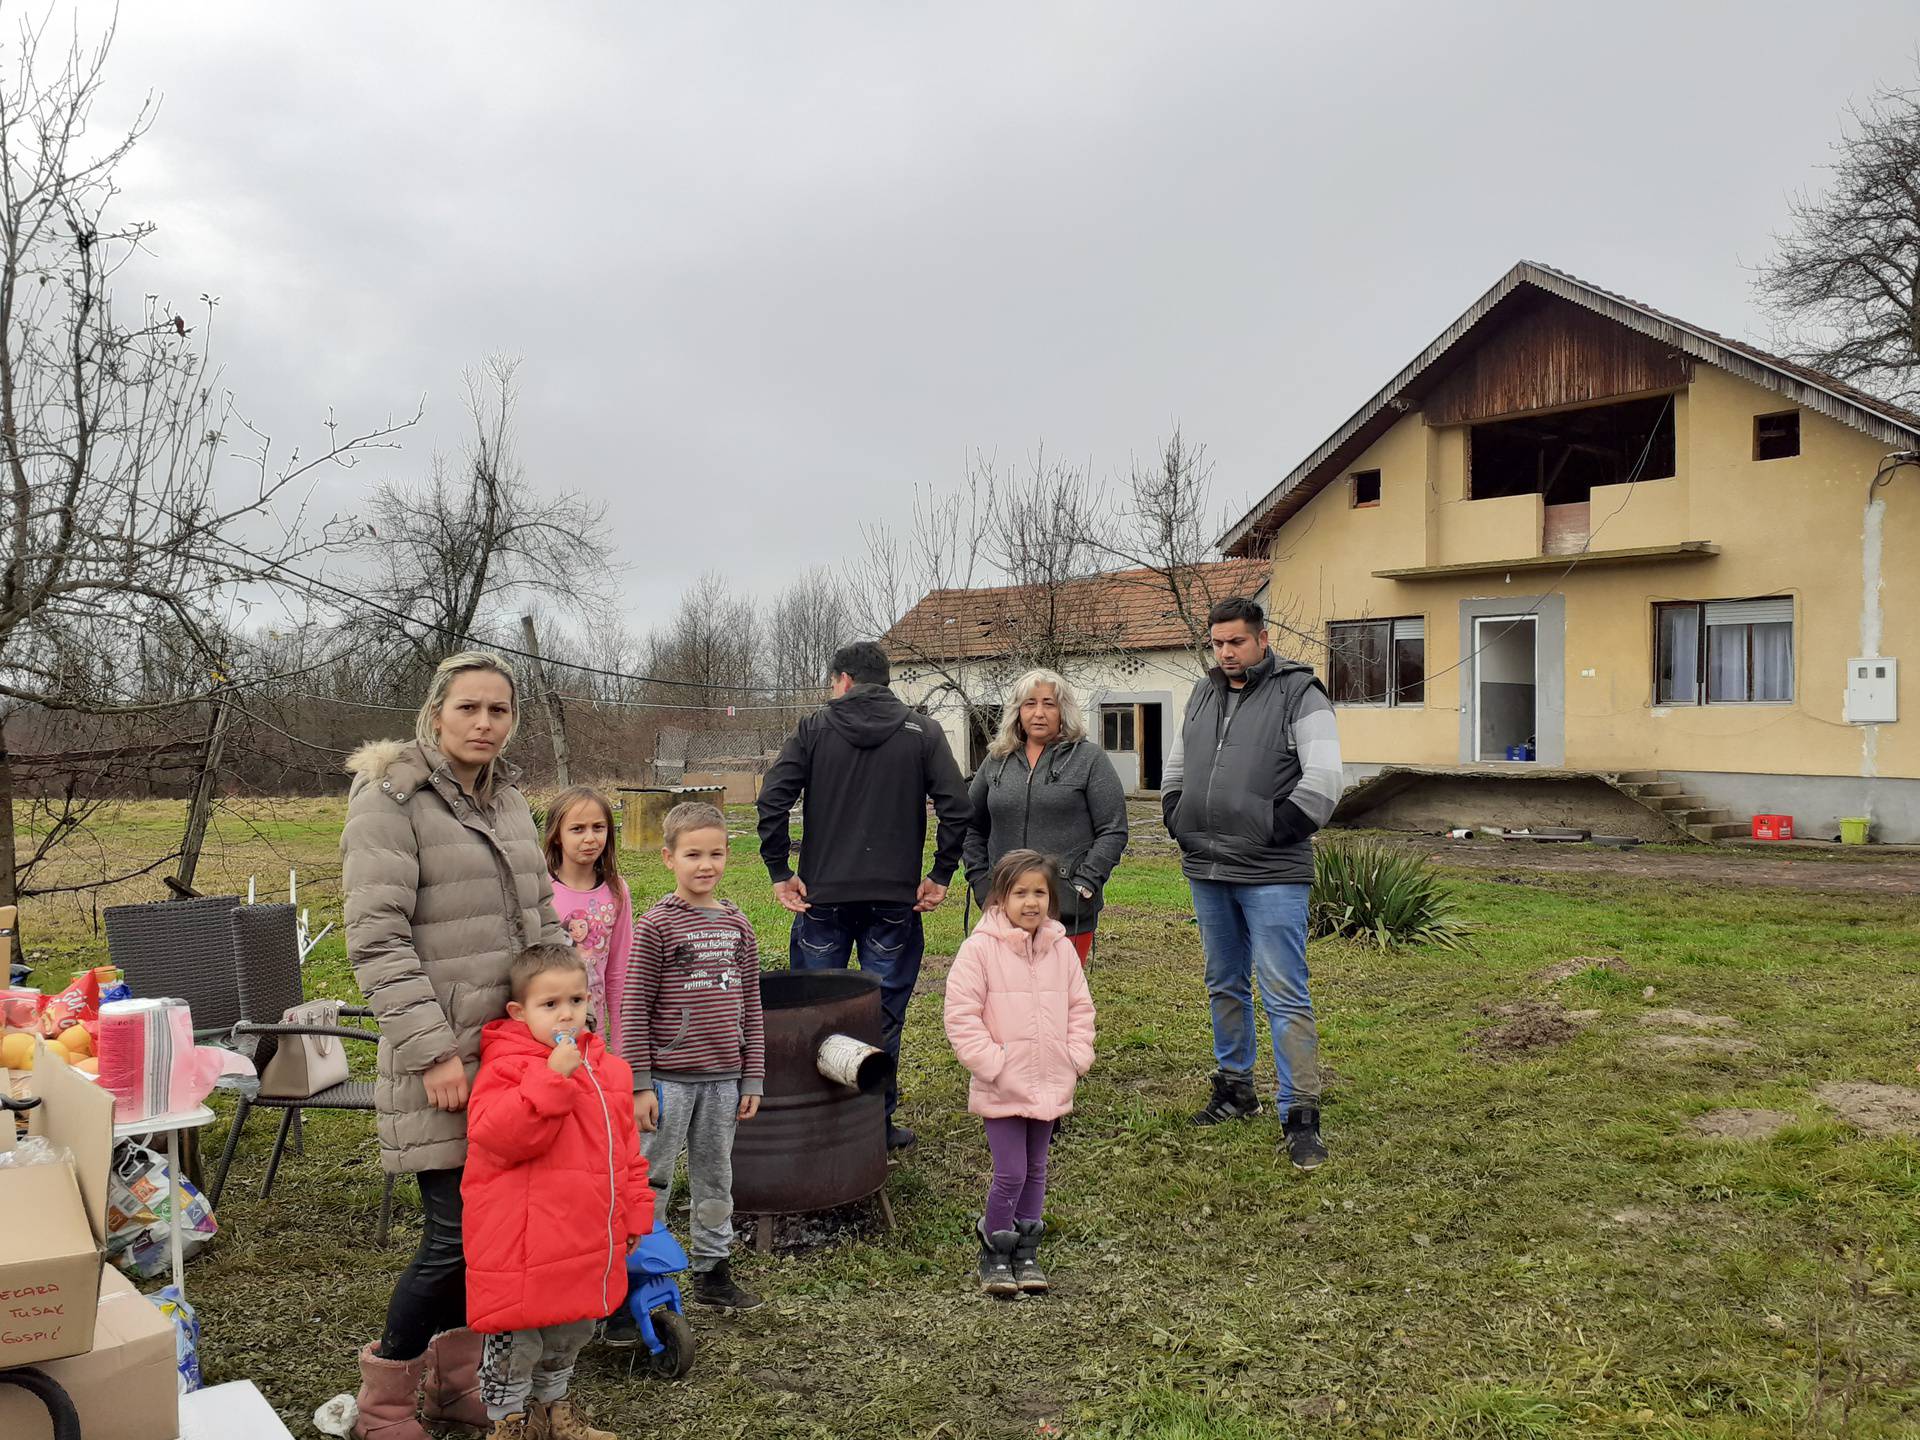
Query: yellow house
point(1576, 534)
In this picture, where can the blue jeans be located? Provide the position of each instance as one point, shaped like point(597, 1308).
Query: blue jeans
point(1251, 931)
point(890, 942)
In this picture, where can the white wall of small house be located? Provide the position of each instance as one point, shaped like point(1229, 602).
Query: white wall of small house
point(1142, 678)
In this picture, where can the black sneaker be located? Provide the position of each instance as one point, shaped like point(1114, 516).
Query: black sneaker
point(1233, 1099)
point(1301, 1133)
point(715, 1287)
point(620, 1331)
point(900, 1138)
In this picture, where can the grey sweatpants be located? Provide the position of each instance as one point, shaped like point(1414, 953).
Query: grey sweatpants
point(524, 1365)
point(697, 1117)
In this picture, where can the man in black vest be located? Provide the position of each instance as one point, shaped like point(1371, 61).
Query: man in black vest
point(1254, 772)
point(867, 766)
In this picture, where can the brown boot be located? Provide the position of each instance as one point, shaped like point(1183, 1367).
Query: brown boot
point(564, 1422)
point(389, 1398)
point(515, 1427)
point(451, 1391)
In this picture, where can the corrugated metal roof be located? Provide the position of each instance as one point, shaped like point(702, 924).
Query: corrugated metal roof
point(1896, 426)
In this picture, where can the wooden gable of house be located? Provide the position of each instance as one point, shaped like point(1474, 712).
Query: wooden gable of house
point(1550, 353)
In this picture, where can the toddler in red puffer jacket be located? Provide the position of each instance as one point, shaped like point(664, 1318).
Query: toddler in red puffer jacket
point(555, 1195)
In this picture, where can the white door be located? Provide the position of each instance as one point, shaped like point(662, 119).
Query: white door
point(1506, 686)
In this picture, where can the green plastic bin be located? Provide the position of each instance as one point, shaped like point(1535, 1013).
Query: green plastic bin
point(1853, 829)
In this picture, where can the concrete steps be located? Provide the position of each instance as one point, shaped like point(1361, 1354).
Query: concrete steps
point(1689, 815)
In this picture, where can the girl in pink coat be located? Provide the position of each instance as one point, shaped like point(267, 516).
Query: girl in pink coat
point(1020, 1017)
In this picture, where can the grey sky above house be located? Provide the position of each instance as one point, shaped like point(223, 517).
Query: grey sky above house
point(771, 267)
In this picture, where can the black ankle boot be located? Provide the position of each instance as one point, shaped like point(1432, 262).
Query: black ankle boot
point(715, 1287)
point(996, 1259)
point(1027, 1273)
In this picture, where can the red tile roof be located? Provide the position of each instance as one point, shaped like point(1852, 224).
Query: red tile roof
point(1119, 610)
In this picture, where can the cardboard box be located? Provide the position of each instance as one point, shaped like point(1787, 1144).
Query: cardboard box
point(9, 918)
point(125, 1387)
point(52, 1244)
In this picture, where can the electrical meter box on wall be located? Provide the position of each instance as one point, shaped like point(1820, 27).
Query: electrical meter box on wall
point(1873, 690)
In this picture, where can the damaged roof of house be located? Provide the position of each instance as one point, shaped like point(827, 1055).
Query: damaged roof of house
point(1127, 610)
point(1833, 398)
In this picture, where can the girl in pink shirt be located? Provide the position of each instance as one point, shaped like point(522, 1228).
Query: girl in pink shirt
point(1020, 1017)
point(590, 898)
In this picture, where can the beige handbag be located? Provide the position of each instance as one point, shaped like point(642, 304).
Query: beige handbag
point(304, 1065)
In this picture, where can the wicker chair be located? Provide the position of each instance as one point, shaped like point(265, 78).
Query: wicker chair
point(182, 949)
point(264, 943)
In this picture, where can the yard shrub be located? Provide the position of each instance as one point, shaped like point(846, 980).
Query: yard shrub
point(1379, 892)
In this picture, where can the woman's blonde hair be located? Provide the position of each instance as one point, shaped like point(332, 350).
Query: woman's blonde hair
point(425, 726)
point(1012, 734)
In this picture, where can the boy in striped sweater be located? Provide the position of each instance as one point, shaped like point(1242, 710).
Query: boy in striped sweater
point(691, 1032)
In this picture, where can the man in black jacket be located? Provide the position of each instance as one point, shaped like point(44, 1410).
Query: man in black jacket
point(867, 766)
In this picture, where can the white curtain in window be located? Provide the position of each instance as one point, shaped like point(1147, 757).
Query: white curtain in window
point(1726, 662)
point(1680, 654)
point(1773, 662)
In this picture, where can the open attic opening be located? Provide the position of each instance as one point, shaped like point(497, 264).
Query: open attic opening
point(1565, 455)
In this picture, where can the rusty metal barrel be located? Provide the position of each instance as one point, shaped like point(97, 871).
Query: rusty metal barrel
point(816, 1143)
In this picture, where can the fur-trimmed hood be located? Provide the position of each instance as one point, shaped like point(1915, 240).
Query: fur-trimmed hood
point(401, 767)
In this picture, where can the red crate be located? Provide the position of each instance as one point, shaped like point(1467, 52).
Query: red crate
point(1773, 827)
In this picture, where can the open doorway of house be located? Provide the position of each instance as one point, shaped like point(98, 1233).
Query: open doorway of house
point(1505, 687)
point(1152, 719)
point(983, 722)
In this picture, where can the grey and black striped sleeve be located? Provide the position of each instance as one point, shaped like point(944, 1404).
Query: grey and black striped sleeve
point(1316, 739)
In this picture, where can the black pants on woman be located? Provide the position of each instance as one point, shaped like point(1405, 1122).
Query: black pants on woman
point(431, 1296)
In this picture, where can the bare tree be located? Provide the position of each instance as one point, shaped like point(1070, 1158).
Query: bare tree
point(475, 543)
point(806, 623)
point(1843, 284)
point(993, 577)
point(709, 648)
point(116, 523)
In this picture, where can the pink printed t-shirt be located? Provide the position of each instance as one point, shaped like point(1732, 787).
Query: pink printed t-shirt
point(588, 918)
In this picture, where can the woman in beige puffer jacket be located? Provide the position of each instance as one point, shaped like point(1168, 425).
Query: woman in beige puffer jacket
point(445, 882)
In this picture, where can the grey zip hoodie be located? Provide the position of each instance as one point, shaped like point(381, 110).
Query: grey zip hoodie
point(1071, 807)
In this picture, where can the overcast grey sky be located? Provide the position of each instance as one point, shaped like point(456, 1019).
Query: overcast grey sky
point(771, 266)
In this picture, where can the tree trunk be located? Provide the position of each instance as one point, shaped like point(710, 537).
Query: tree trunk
point(556, 721)
point(9, 888)
point(200, 807)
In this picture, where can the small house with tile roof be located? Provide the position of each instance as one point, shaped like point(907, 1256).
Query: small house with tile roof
point(1129, 645)
point(1579, 537)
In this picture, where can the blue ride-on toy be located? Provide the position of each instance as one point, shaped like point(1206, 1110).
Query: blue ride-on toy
point(653, 1299)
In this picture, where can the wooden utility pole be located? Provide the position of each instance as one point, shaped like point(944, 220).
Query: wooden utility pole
point(200, 807)
point(556, 720)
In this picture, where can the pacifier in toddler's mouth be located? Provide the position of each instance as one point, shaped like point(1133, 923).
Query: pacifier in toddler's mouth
point(564, 1037)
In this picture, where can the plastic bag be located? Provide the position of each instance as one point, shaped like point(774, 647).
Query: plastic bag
point(186, 1336)
point(20, 1007)
point(139, 1202)
point(35, 1150)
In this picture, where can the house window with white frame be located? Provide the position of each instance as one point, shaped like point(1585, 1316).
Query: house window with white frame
point(1378, 662)
point(1723, 652)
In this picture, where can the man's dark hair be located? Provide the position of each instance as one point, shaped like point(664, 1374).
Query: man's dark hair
point(1237, 607)
point(865, 661)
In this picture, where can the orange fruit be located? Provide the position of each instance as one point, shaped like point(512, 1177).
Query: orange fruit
point(77, 1040)
point(90, 1065)
point(16, 1051)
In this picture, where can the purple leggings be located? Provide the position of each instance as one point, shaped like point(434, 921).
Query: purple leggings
point(1019, 1189)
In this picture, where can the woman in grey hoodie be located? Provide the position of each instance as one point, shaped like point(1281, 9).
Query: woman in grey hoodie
point(1045, 786)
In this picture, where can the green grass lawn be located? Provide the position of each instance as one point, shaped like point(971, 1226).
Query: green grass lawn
point(1529, 1246)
